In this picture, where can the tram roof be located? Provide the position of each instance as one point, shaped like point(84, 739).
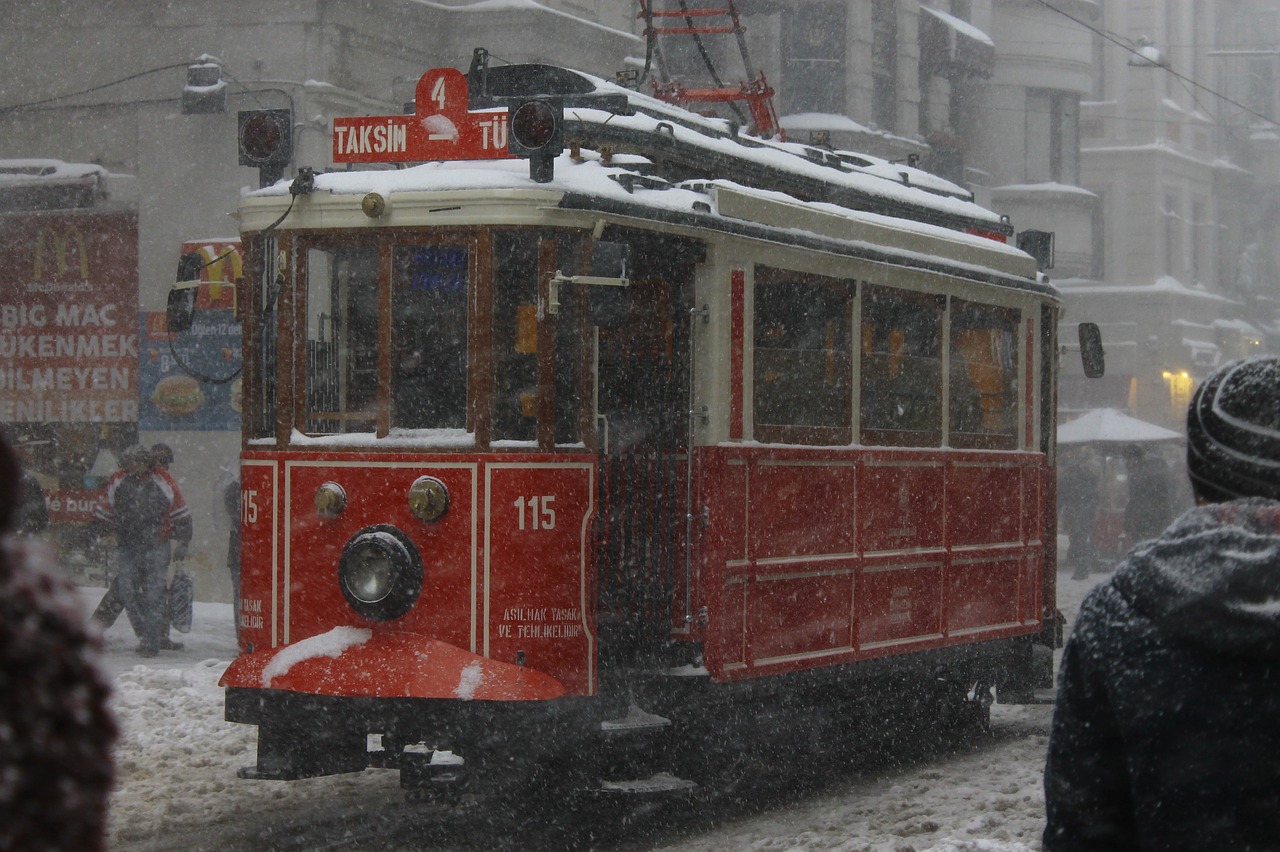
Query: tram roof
point(669, 164)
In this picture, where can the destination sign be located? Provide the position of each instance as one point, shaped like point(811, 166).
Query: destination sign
point(441, 128)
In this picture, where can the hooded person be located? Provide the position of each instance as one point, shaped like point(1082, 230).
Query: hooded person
point(1167, 720)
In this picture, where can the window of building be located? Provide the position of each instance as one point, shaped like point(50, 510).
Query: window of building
point(884, 63)
point(803, 358)
point(1053, 136)
point(813, 59)
point(1172, 242)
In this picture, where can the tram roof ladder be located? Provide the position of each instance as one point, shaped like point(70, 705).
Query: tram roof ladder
point(756, 92)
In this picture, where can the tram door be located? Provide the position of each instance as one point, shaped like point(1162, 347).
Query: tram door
point(642, 371)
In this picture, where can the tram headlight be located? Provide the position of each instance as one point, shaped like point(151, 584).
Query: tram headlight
point(428, 499)
point(380, 573)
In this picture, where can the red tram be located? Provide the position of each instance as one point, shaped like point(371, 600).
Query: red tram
point(549, 467)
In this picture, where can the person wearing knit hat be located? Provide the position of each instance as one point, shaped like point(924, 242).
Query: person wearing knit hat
point(1233, 432)
point(1167, 719)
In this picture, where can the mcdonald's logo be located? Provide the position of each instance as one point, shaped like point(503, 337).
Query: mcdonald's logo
point(62, 240)
point(222, 263)
point(222, 267)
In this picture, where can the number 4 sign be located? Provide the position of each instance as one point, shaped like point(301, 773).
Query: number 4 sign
point(441, 128)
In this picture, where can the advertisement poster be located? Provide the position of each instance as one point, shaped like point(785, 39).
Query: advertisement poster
point(68, 318)
point(192, 380)
point(173, 399)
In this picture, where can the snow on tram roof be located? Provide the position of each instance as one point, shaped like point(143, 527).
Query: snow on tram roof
point(590, 177)
point(667, 134)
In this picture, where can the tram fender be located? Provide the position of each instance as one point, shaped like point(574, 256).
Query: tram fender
point(365, 663)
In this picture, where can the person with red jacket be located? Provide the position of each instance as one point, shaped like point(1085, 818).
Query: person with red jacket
point(143, 506)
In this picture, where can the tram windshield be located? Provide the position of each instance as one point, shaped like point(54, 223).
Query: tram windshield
point(437, 334)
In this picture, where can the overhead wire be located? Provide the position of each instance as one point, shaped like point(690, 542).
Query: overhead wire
point(1120, 42)
point(91, 89)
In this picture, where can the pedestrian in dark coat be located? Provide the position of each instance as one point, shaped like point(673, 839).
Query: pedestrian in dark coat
point(1166, 729)
point(1150, 506)
point(56, 731)
point(145, 509)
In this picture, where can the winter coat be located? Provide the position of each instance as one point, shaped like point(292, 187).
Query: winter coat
point(1166, 730)
point(143, 510)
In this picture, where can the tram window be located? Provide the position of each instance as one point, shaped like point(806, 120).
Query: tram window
point(342, 340)
point(260, 408)
point(983, 376)
point(429, 334)
point(515, 335)
point(803, 358)
point(901, 368)
point(569, 340)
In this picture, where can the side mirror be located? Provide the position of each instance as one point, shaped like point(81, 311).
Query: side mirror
point(1038, 244)
point(609, 302)
point(180, 311)
point(1091, 355)
point(189, 265)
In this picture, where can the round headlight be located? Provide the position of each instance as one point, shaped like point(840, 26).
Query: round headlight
point(428, 499)
point(380, 573)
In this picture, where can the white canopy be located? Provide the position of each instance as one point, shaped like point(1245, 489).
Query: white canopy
point(1108, 425)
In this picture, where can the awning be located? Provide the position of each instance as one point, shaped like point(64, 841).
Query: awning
point(952, 47)
point(1109, 426)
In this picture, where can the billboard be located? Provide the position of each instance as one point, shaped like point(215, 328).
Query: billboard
point(69, 317)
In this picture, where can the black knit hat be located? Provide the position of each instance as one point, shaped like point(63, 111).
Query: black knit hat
point(1233, 431)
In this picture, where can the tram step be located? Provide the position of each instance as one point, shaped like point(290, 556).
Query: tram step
point(659, 784)
point(635, 720)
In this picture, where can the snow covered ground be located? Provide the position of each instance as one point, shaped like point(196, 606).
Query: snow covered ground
point(177, 785)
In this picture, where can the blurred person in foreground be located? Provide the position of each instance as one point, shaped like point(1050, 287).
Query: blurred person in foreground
point(144, 508)
point(1166, 728)
point(56, 732)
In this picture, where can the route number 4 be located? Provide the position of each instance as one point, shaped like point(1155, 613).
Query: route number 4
point(541, 516)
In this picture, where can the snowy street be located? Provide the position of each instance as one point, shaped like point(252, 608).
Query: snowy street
point(177, 784)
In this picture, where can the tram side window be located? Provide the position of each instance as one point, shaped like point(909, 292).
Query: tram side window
point(429, 334)
point(342, 340)
point(901, 368)
point(983, 376)
point(803, 358)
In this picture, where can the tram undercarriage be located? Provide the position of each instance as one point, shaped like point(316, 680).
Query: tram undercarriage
point(657, 732)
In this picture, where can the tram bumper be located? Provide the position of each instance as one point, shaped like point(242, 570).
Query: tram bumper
point(362, 663)
point(316, 702)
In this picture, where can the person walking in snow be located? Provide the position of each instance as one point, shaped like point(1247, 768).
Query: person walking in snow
point(1167, 720)
point(56, 729)
point(112, 603)
point(145, 510)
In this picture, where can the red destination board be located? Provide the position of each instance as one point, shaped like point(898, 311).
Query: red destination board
point(441, 128)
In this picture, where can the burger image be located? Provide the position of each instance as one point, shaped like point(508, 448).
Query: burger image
point(177, 396)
